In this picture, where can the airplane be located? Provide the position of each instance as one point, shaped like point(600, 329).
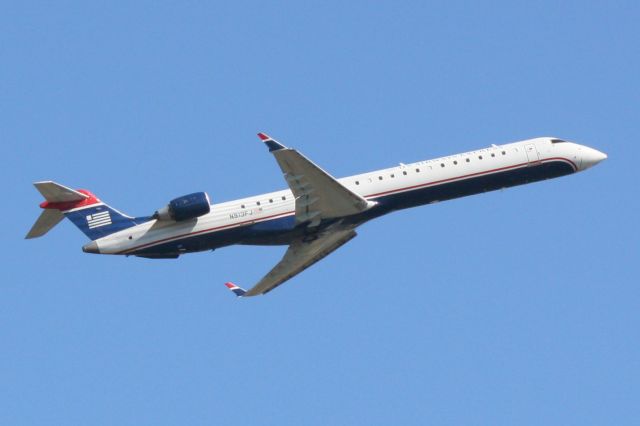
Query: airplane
point(316, 215)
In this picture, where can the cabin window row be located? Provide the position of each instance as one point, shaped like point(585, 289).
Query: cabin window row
point(455, 162)
point(258, 203)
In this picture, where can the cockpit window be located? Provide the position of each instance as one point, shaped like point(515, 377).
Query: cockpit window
point(557, 141)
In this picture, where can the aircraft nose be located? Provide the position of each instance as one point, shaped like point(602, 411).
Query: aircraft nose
point(591, 157)
point(91, 247)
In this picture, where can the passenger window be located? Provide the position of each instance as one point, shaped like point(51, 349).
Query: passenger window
point(392, 175)
point(404, 173)
point(258, 203)
point(504, 153)
point(284, 198)
point(379, 177)
point(455, 162)
point(479, 157)
point(357, 182)
point(417, 170)
point(493, 154)
point(441, 164)
point(468, 160)
point(271, 200)
point(242, 206)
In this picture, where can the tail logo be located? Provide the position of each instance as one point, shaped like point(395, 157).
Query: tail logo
point(98, 219)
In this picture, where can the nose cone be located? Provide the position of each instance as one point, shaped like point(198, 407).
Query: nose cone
point(591, 157)
point(91, 247)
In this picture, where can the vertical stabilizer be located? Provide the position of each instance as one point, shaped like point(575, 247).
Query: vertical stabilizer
point(93, 217)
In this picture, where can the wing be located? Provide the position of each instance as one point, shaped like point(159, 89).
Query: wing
point(299, 256)
point(318, 194)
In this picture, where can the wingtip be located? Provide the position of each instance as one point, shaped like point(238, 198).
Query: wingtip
point(235, 289)
point(271, 143)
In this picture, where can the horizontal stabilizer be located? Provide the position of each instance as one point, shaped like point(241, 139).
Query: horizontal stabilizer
point(47, 220)
point(56, 193)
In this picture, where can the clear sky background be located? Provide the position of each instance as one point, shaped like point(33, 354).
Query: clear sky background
point(513, 307)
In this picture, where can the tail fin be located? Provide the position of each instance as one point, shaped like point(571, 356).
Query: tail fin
point(93, 217)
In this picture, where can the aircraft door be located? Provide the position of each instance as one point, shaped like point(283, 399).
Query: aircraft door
point(532, 154)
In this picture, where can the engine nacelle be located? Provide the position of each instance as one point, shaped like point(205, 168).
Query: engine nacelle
point(185, 207)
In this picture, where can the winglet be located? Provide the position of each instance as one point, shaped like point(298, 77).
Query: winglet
point(235, 289)
point(271, 143)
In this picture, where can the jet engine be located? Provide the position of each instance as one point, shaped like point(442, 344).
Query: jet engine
point(185, 207)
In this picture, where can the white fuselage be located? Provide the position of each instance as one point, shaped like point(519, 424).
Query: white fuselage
point(397, 183)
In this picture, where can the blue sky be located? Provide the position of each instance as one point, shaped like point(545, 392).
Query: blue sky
point(513, 307)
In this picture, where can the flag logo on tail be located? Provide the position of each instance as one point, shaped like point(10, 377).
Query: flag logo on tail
point(99, 219)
